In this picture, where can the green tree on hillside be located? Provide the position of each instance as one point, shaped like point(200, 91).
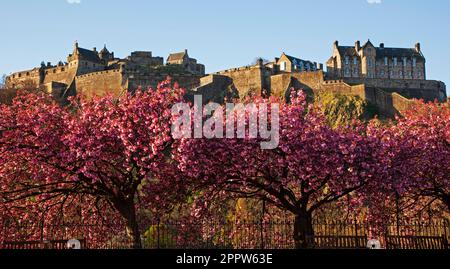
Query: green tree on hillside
point(341, 109)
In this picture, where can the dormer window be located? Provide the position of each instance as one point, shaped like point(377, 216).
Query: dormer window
point(283, 66)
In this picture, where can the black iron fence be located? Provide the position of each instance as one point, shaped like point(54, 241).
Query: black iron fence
point(228, 235)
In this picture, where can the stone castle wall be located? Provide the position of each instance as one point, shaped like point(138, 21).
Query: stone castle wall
point(213, 88)
point(19, 78)
point(100, 83)
point(145, 81)
point(387, 95)
point(60, 74)
point(429, 90)
point(116, 82)
point(247, 80)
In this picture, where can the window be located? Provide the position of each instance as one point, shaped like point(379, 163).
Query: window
point(414, 62)
point(382, 73)
point(369, 62)
point(400, 73)
point(386, 61)
point(355, 61)
point(355, 72)
point(347, 60)
point(405, 61)
point(283, 66)
point(347, 72)
point(395, 61)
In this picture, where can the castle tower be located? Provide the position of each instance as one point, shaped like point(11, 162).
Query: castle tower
point(105, 55)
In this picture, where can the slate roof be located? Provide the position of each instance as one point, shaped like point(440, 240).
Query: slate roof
point(398, 52)
point(104, 51)
point(295, 60)
point(89, 55)
point(347, 50)
point(383, 52)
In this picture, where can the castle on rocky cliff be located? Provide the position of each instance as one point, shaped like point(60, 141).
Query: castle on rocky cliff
point(386, 77)
point(92, 72)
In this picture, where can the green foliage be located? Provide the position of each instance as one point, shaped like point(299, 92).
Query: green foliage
point(167, 237)
point(341, 109)
point(171, 69)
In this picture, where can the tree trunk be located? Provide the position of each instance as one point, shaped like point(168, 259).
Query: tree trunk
point(303, 231)
point(446, 200)
point(128, 212)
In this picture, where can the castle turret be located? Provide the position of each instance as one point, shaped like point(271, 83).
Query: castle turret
point(105, 55)
point(75, 48)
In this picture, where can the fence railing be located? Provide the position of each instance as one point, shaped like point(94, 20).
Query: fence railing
point(228, 235)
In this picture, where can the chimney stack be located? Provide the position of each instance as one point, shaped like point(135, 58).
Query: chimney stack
point(94, 49)
point(336, 43)
point(418, 47)
point(382, 45)
point(357, 45)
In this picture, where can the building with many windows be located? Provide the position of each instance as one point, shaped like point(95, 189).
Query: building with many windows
point(368, 61)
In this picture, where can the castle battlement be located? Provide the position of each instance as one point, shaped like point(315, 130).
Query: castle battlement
point(99, 73)
point(90, 71)
point(386, 77)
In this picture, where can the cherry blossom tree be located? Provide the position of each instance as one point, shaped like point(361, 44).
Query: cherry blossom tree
point(313, 166)
point(113, 151)
point(416, 159)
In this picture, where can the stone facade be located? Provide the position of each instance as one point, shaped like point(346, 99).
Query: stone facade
point(368, 61)
point(390, 95)
point(386, 77)
point(287, 63)
point(190, 64)
point(93, 72)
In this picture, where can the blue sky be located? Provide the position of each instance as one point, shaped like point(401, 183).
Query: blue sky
point(221, 34)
